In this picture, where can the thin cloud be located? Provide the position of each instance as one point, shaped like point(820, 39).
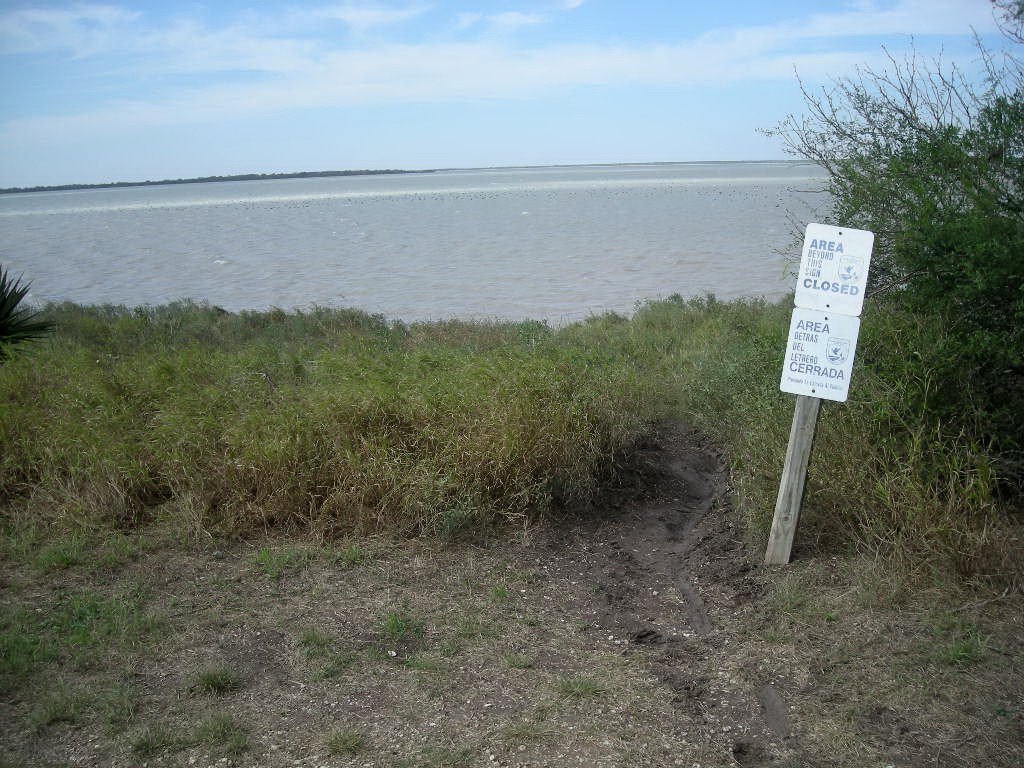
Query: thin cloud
point(311, 72)
point(361, 17)
point(467, 20)
point(440, 73)
point(515, 19)
point(499, 22)
point(80, 30)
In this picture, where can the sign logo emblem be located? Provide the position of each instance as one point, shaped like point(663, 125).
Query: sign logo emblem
point(849, 268)
point(837, 350)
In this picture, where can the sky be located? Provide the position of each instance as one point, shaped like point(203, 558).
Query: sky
point(125, 91)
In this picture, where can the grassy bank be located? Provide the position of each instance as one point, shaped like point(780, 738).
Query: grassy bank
point(188, 498)
point(336, 422)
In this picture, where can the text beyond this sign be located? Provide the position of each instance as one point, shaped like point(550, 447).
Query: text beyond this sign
point(834, 269)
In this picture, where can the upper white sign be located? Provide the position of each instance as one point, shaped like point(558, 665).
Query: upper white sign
point(834, 269)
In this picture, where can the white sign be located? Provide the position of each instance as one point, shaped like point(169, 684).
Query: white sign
point(819, 354)
point(834, 269)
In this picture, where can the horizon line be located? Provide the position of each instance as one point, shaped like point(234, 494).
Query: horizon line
point(276, 176)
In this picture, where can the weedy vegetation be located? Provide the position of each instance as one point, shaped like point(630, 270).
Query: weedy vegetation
point(340, 423)
point(218, 681)
point(345, 742)
point(152, 740)
point(222, 735)
point(400, 624)
point(580, 687)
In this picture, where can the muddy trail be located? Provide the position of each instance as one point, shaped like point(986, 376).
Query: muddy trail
point(667, 568)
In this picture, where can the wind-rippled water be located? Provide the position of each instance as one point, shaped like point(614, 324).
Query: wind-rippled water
point(545, 243)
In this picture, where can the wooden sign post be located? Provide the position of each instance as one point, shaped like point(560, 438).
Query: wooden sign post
point(791, 487)
point(822, 343)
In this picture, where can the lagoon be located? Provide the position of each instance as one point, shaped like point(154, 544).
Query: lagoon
point(554, 243)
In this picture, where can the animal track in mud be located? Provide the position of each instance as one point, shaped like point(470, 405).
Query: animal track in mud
point(774, 710)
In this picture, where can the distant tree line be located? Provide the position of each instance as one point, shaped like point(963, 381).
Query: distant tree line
point(206, 179)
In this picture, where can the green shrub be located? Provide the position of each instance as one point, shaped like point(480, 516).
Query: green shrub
point(16, 325)
point(933, 163)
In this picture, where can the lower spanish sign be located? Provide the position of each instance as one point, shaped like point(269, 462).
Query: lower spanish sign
point(819, 354)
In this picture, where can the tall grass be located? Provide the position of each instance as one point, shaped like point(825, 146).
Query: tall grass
point(885, 477)
point(337, 421)
point(331, 420)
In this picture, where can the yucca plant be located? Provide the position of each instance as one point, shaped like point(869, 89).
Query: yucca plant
point(16, 325)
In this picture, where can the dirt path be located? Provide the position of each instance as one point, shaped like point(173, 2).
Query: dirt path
point(663, 560)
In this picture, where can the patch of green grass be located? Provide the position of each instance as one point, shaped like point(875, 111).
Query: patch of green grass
point(24, 645)
point(87, 619)
point(399, 624)
point(423, 663)
point(275, 562)
point(580, 687)
point(222, 735)
point(525, 731)
point(315, 643)
point(115, 706)
point(336, 663)
point(58, 706)
point(19, 542)
point(345, 742)
point(219, 732)
point(344, 422)
point(518, 661)
point(475, 626)
point(117, 549)
point(61, 554)
point(77, 625)
point(776, 634)
point(323, 649)
point(449, 648)
point(350, 555)
point(499, 594)
point(49, 548)
point(152, 740)
point(962, 652)
point(217, 681)
point(330, 417)
point(96, 552)
point(790, 597)
point(447, 756)
point(957, 642)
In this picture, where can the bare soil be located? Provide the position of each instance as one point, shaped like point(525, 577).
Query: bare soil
point(642, 633)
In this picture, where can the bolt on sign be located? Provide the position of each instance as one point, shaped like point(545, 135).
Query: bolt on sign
point(820, 349)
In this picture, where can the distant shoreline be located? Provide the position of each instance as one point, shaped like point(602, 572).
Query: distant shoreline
point(207, 180)
point(328, 174)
